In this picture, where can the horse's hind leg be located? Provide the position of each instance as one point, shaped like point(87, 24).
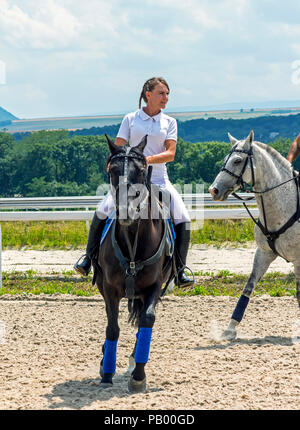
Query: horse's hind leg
point(297, 275)
point(298, 291)
point(262, 261)
point(137, 382)
point(108, 363)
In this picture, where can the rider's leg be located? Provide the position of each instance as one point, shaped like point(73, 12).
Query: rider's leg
point(182, 242)
point(96, 229)
point(103, 210)
point(182, 223)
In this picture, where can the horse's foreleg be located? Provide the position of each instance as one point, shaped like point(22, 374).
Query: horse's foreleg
point(137, 382)
point(262, 261)
point(131, 358)
point(108, 363)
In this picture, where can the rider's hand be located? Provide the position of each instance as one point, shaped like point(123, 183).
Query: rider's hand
point(148, 159)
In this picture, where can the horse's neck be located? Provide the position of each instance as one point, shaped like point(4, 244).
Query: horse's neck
point(149, 233)
point(269, 171)
point(280, 203)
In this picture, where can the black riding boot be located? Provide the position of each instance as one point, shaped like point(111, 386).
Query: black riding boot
point(96, 228)
point(182, 241)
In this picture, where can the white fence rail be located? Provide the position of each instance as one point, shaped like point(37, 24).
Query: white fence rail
point(92, 201)
point(238, 213)
point(200, 206)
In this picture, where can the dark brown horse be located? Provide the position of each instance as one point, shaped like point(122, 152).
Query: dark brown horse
point(133, 260)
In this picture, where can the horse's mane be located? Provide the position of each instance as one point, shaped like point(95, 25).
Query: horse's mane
point(275, 154)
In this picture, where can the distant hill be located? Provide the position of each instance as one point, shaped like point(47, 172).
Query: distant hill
point(6, 117)
point(266, 128)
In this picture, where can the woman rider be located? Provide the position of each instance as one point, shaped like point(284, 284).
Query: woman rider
point(161, 131)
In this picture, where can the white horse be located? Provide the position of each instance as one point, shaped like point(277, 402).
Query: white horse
point(276, 188)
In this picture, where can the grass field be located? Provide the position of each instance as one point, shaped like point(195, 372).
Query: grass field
point(222, 284)
point(73, 235)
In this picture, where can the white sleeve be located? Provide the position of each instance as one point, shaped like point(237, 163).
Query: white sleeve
point(172, 130)
point(124, 130)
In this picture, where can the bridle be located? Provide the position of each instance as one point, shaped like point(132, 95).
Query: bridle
point(128, 155)
point(271, 236)
point(239, 177)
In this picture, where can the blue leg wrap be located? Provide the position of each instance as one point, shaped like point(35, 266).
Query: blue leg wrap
point(110, 356)
point(143, 345)
point(240, 308)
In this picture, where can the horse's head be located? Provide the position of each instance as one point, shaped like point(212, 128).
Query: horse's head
point(127, 170)
point(237, 169)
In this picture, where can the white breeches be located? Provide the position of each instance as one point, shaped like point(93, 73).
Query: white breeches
point(178, 210)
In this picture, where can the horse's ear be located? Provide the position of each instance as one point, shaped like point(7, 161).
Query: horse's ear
point(142, 144)
point(250, 138)
point(232, 139)
point(111, 144)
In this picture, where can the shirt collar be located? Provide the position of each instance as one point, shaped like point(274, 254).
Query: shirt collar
point(145, 116)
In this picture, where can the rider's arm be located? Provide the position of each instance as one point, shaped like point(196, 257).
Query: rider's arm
point(123, 133)
point(166, 156)
point(294, 150)
point(170, 146)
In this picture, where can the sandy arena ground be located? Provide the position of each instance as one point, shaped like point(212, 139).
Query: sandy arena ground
point(207, 259)
point(50, 347)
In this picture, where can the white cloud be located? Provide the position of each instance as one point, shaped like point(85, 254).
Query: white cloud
point(48, 27)
point(81, 57)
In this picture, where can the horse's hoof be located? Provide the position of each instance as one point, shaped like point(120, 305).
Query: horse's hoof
point(131, 365)
point(229, 334)
point(105, 385)
point(136, 386)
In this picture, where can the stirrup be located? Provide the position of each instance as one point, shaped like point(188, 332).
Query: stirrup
point(187, 284)
point(78, 268)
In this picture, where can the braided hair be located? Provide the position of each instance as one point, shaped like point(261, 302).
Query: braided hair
point(149, 85)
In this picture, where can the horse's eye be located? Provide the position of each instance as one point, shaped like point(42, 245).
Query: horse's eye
point(237, 161)
point(138, 193)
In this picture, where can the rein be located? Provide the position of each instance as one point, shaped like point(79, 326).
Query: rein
point(130, 265)
point(271, 236)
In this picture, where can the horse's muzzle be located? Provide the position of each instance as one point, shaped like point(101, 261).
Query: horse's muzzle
point(214, 193)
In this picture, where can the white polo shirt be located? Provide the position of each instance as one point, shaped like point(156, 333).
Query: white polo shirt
point(159, 128)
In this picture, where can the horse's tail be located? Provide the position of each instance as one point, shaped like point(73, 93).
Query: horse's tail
point(135, 307)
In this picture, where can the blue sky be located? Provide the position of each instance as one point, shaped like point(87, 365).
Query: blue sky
point(70, 57)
